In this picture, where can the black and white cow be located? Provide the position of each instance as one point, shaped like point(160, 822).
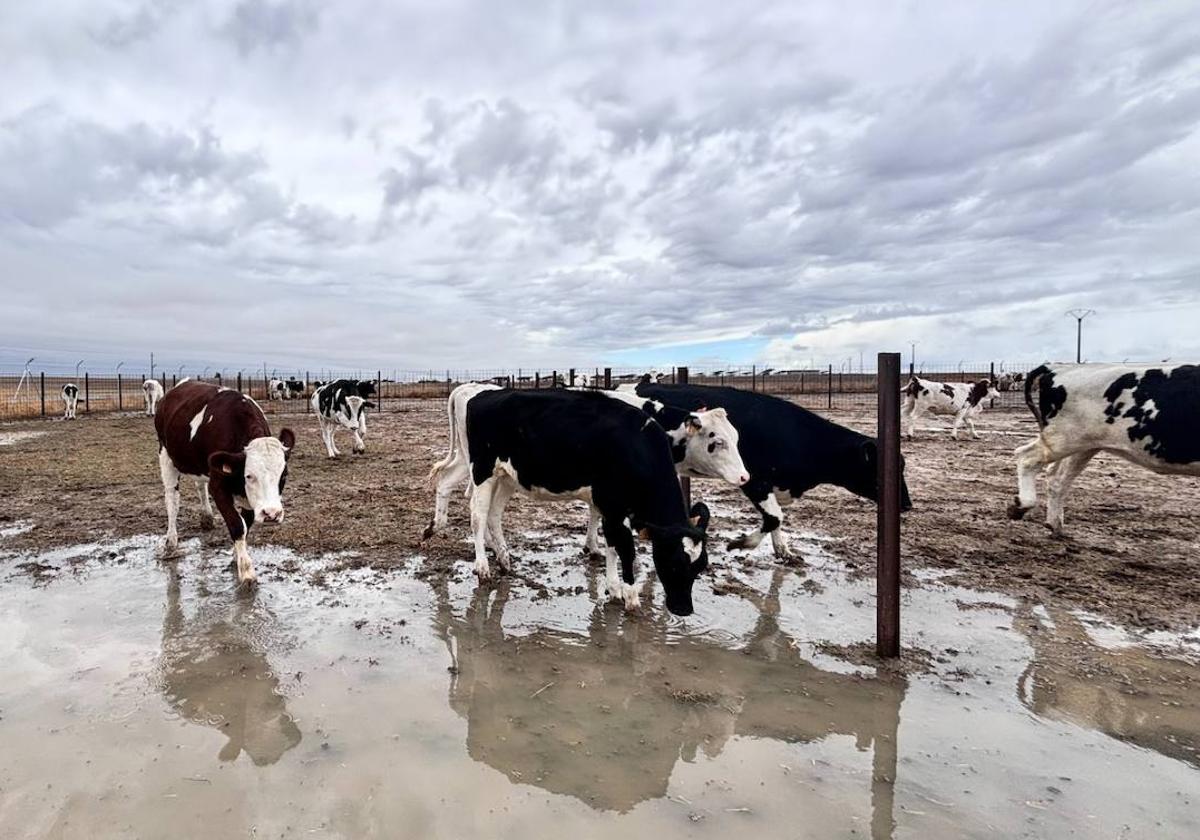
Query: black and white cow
point(1145, 414)
point(964, 400)
point(222, 439)
point(152, 391)
point(276, 389)
point(342, 403)
point(787, 451)
point(704, 444)
point(293, 389)
point(70, 398)
point(551, 445)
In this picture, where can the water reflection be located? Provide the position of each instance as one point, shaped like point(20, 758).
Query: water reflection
point(1126, 693)
point(605, 717)
point(213, 673)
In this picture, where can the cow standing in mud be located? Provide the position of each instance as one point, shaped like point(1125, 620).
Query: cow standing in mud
point(222, 439)
point(964, 400)
point(1148, 415)
point(70, 398)
point(153, 392)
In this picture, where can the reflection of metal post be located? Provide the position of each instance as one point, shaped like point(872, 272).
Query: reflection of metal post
point(883, 760)
point(685, 483)
point(887, 602)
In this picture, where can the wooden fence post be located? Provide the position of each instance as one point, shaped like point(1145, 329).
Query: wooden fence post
point(608, 379)
point(379, 389)
point(571, 377)
point(685, 483)
point(537, 380)
point(887, 599)
point(42, 375)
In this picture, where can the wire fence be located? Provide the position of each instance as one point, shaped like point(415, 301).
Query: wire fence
point(32, 394)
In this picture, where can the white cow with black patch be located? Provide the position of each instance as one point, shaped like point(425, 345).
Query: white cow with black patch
point(70, 398)
point(1149, 415)
point(341, 403)
point(964, 400)
point(276, 389)
point(152, 391)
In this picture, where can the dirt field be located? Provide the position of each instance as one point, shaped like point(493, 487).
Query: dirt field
point(1132, 554)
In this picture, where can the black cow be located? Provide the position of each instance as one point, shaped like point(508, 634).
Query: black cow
point(563, 445)
point(222, 438)
point(787, 450)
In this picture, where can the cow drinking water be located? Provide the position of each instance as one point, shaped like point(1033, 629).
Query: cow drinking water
point(222, 439)
point(551, 445)
point(70, 398)
point(1145, 414)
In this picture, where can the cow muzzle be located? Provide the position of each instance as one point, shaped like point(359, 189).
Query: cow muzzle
point(272, 515)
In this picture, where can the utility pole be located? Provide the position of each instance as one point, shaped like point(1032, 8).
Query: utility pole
point(1079, 315)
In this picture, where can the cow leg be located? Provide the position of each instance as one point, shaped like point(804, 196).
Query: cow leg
point(500, 496)
point(170, 480)
point(206, 511)
point(238, 527)
point(620, 538)
point(971, 426)
point(906, 416)
point(1064, 475)
point(481, 503)
point(1031, 458)
point(772, 508)
point(759, 496)
point(612, 580)
point(591, 546)
point(449, 476)
point(359, 446)
point(334, 451)
point(958, 421)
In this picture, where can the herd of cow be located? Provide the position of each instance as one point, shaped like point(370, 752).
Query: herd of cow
point(621, 452)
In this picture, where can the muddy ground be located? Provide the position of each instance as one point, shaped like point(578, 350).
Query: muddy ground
point(1132, 553)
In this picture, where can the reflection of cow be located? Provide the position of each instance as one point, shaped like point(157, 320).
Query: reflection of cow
point(1071, 678)
point(211, 674)
point(605, 721)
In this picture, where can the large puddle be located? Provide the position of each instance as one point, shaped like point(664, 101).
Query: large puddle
point(141, 700)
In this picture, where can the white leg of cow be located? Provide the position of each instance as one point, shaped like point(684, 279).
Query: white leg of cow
point(958, 421)
point(1064, 475)
point(206, 511)
point(170, 480)
point(1030, 461)
point(971, 426)
point(481, 502)
point(779, 542)
point(450, 475)
point(333, 441)
point(245, 570)
point(359, 445)
point(503, 492)
point(592, 544)
point(613, 585)
point(906, 416)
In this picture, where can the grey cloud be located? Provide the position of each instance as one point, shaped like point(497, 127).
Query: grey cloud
point(262, 24)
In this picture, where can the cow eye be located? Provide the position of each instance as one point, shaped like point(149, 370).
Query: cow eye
point(250, 479)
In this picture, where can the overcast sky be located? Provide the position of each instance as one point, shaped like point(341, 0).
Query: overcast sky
point(487, 183)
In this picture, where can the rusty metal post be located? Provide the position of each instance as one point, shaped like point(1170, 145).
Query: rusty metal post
point(379, 389)
point(685, 483)
point(42, 375)
point(537, 380)
point(608, 379)
point(239, 382)
point(753, 377)
point(887, 597)
point(87, 394)
point(571, 377)
point(829, 389)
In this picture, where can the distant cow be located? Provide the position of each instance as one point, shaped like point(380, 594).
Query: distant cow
point(1145, 414)
point(222, 438)
point(342, 403)
point(787, 451)
point(276, 390)
point(293, 389)
point(962, 399)
point(561, 445)
point(70, 397)
point(1007, 381)
point(152, 391)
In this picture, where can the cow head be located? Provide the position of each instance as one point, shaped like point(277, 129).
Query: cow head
point(348, 414)
point(259, 472)
point(680, 554)
point(863, 475)
point(711, 448)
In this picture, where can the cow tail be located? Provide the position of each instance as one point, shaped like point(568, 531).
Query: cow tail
point(442, 464)
point(1033, 381)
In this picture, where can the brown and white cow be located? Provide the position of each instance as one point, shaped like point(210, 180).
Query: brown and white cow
point(962, 399)
point(221, 437)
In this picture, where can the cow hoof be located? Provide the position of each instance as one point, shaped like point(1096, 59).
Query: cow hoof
point(1015, 511)
point(428, 532)
point(206, 523)
point(612, 590)
point(169, 550)
point(358, 451)
point(504, 559)
point(631, 594)
point(483, 572)
point(735, 544)
point(248, 584)
point(783, 551)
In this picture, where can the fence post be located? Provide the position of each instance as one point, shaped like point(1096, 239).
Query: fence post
point(537, 380)
point(87, 394)
point(449, 390)
point(753, 377)
point(608, 379)
point(173, 383)
point(801, 382)
point(829, 388)
point(239, 382)
point(571, 377)
point(553, 379)
point(379, 389)
point(992, 379)
point(43, 379)
point(120, 402)
point(887, 598)
point(685, 483)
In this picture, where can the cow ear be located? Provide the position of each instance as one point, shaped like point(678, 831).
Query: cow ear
point(699, 516)
point(227, 463)
point(288, 438)
point(694, 424)
point(717, 412)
